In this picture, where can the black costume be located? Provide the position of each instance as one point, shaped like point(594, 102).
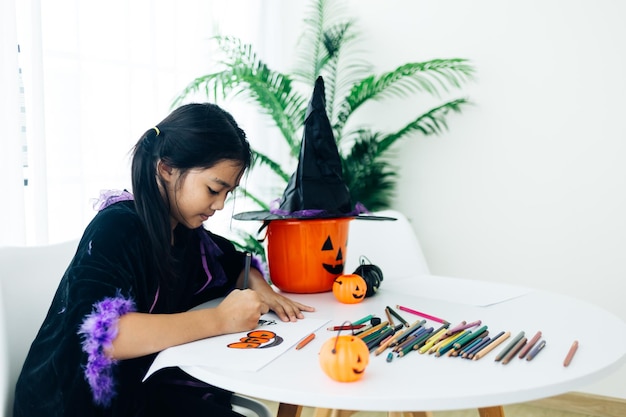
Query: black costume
point(66, 372)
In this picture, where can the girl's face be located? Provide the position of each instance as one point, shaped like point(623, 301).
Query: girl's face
point(196, 196)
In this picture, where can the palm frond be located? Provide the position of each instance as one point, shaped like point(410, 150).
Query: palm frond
point(430, 77)
point(245, 75)
point(432, 122)
point(250, 243)
point(368, 176)
point(248, 194)
point(263, 159)
point(318, 41)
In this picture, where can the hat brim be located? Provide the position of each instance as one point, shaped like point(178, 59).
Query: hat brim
point(264, 216)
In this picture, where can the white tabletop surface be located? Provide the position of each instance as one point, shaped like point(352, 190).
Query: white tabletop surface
point(422, 382)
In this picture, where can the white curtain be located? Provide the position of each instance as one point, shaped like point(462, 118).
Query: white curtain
point(95, 77)
point(12, 217)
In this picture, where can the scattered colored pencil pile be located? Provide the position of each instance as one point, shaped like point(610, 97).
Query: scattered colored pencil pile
point(465, 340)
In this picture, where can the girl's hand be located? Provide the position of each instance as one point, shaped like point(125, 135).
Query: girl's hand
point(240, 311)
point(285, 308)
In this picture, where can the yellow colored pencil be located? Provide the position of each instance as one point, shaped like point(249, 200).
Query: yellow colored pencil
point(437, 348)
point(432, 340)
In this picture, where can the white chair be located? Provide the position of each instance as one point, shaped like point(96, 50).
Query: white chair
point(391, 245)
point(29, 277)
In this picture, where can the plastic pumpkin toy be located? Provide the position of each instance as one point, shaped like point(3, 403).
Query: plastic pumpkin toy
point(349, 288)
point(344, 358)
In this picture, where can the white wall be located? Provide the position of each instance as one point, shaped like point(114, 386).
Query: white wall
point(529, 185)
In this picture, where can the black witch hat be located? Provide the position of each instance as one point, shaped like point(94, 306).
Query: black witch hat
point(316, 189)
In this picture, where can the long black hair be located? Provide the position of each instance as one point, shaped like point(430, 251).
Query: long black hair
point(193, 136)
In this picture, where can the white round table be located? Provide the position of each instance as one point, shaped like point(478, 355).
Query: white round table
point(426, 382)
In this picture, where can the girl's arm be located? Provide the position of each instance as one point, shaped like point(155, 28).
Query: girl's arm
point(141, 334)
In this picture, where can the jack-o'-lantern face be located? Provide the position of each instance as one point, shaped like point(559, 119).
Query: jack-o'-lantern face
point(344, 358)
point(332, 256)
point(350, 288)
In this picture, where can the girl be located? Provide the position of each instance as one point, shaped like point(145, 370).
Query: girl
point(142, 263)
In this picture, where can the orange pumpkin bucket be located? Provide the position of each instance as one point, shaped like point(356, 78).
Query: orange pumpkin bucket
point(306, 255)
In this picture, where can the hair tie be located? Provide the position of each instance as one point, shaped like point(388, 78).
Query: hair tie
point(156, 129)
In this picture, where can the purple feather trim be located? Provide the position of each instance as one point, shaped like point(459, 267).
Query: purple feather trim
point(98, 331)
point(108, 197)
point(359, 208)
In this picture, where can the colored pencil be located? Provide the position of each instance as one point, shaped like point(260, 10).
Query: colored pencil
point(385, 344)
point(375, 334)
point(432, 340)
point(463, 351)
point(420, 314)
point(414, 335)
point(375, 342)
point(469, 354)
point(468, 338)
point(529, 345)
point(446, 347)
point(464, 326)
point(372, 329)
point(511, 354)
point(398, 316)
point(389, 317)
point(456, 328)
point(508, 347)
point(483, 345)
point(416, 343)
point(491, 346)
point(305, 341)
point(363, 320)
point(412, 329)
point(570, 354)
point(531, 355)
point(346, 327)
point(442, 342)
point(246, 270)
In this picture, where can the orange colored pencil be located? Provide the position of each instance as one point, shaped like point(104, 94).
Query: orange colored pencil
point(491, 346)
point(305, 341)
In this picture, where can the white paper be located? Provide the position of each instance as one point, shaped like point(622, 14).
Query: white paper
point(215, 351)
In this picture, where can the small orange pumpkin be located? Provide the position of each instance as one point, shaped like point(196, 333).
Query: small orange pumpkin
point(349, 288)
point(344, 358)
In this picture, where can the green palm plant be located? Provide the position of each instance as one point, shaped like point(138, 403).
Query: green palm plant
point(327, 48)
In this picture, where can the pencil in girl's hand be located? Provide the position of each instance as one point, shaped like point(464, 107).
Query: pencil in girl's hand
point(246, 270)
